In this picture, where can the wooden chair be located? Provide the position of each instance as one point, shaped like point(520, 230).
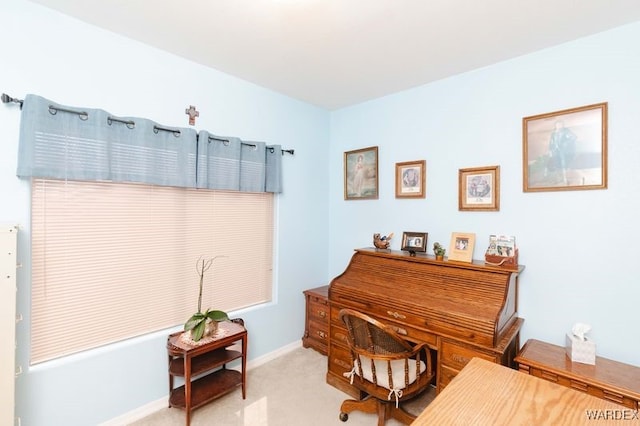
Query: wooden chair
point(385, 366)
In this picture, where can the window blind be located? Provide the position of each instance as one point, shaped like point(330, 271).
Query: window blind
point(113, 261)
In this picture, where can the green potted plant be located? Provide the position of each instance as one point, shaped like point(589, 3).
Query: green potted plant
point(439, 251)
point(201, 321)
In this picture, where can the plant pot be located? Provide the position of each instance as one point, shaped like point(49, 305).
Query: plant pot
point(439, 257)
point(210, 328)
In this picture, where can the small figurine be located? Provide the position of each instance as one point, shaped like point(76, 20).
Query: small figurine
point(382, 242)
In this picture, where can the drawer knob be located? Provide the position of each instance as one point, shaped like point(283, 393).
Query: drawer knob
point(322, 334)
point(341, 363)
point(460, 359)
point(322, 314)
point(396, 315)
point(613, 397)
point(341, 337)
point(579, 386)
point(401, 331)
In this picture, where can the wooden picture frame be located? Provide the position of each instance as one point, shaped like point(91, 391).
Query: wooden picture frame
point(479, 189)
point(411, 179)
point(361, 174)
point(565, 150)
point(414, 242)
point(461, 246)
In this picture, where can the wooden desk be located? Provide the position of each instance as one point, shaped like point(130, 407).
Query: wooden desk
point(461, 310)
point(607, 379)
point(207, 363)
point(485, 393)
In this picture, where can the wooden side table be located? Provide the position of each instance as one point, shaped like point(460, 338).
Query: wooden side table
point(316, 323)
point(607, 379)
point(207, 362)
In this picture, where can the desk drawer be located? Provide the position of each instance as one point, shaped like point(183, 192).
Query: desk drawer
point(456, 356)
point(319, 332)
point(583, 386)
point(407, 331)
point(318, 311)
point(413, 334)
point(340, 360)
point(338, 336)
point(335, 315)
point(446, 375)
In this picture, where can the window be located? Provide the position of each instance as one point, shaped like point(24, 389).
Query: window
point(113, 261)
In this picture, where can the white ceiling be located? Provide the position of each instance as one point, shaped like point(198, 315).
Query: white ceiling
point(335, 53)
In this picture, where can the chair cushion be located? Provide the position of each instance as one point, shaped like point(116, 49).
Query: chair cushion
point(382, 375)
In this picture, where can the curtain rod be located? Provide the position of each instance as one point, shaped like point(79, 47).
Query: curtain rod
point(8, 99)
point(270, 148)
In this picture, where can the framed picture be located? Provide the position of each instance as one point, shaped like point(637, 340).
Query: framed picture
point(414, 241)
point(479, 188)
point(461, 246)
point(565, 150)
point(410, 179)
point(361, 174)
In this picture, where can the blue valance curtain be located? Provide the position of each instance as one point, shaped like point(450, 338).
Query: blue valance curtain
point(62, 142)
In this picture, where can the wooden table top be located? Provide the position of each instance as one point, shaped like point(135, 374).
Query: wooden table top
point(607, 373)
point(484, 393)
point(227, 332)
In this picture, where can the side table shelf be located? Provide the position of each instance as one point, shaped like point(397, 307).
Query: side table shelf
point(207, 388)
point(204, 367)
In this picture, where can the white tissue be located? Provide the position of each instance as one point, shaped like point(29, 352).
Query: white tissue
point(580, 329)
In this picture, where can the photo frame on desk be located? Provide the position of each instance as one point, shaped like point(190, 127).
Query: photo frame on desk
point(414, 242)
point(565, 150)
point(461, 246)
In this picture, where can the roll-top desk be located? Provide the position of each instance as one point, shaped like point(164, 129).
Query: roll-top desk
point(461, 310)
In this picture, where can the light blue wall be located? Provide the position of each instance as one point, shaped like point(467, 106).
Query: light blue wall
point(469, 120)
point(72, 63)
point(579, 247)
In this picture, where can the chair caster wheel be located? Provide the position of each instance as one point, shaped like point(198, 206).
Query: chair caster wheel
point(344, 417)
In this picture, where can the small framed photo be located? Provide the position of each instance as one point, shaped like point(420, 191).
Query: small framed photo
point(461, 246)
point(415, 242)
point(361, 174)
point(411, 179)
point(565, 150)
point(479, 189)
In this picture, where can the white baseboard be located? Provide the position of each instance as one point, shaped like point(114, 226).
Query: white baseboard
point(157, 405)
point(273, 355)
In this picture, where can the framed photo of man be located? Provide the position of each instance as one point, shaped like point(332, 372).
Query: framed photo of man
point(565, 150)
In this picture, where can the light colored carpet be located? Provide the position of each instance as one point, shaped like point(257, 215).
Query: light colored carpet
point(290, 390)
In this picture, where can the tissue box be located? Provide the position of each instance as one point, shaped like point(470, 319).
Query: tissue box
point(581, 351)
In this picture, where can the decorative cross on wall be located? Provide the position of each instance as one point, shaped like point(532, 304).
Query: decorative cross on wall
point(192, 112)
